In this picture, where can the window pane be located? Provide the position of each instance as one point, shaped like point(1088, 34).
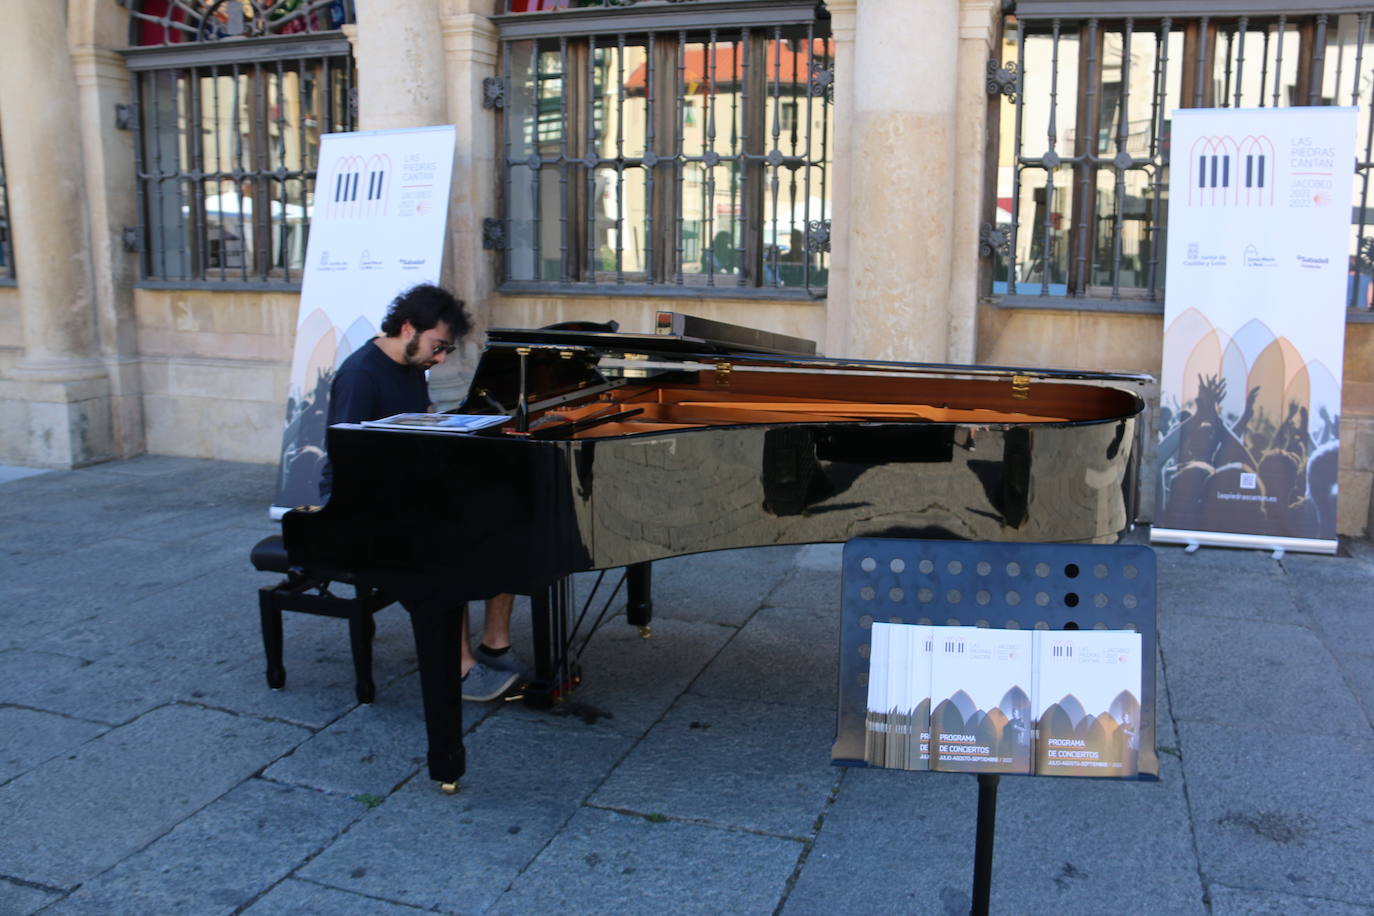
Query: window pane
point(226, 166)
point(683, 158)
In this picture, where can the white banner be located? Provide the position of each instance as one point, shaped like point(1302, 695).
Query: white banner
point(1254, 318)
point(377, 228)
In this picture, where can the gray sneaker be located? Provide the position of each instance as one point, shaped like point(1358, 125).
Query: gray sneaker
point(506, 661)
point(483, 683)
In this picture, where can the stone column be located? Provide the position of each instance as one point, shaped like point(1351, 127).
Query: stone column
point(471, 45)
point(400, 56)
point(896, 122)
point(977, 36)
point(103, 83)
point(58, 393)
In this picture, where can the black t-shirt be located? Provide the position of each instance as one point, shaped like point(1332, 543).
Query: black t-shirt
point(370, 385)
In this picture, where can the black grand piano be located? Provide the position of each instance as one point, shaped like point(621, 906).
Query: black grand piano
point(622, 449)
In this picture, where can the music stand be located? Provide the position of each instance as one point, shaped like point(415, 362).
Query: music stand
point(999, 585)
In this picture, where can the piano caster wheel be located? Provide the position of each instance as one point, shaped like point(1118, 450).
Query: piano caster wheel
point(366, 693)
point(645, 632)
point(448, 788)
point(276, 678)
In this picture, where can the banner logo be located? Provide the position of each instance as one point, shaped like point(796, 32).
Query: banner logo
point(360, 187)
point(1224, 171)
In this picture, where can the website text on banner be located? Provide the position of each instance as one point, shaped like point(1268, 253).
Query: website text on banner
point(1254, 318)
point(377, 227)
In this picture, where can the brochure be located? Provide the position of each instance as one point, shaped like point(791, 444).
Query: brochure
point(1087, 702)
point(897, 725)
point(980, 718)
point(438, 422)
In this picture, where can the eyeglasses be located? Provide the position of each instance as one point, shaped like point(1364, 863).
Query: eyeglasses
point(443, 348)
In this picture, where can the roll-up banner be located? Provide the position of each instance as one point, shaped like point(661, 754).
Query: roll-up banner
point(1254, 326)
point(377, 228)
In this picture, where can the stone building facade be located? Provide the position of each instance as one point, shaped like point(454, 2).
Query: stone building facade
point(896, 248)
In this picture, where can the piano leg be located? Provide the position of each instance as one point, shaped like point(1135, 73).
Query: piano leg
point(437, 636)
point(551, 621)
point(639, 600)
point(270, 616)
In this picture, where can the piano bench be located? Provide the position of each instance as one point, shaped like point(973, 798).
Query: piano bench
point(307, 591)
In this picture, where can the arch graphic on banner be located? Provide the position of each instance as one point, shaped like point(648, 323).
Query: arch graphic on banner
point(1240, 447)
point(1223, 171)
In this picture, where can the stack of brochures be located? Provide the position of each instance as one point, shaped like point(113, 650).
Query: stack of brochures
point(438, 422)
point(983, 700)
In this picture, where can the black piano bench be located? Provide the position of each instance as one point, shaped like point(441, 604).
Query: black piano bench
point(308, 592)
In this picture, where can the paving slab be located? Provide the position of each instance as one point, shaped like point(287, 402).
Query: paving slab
point(629, 682)
point(32, 737)
point(725, 586)
point(891, 843)
point(21, 900)
point(782, 655)
point(457, 854)
point(607, 862)
point(1278, 811)
point(748, 765)
point(9, 472)
point(306, 898)
point(1229, 901)
point(70, 818)
point(1194, 591)
point(220, 858)
point(818, 589)
point(373, 749)
point(1220, 669)
point(1069, 845)
point(1229, 560)
point(101, 576)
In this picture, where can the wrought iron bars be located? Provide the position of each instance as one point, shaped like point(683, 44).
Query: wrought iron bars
point(225, 158)
point(686, 159)
point(1110, 211)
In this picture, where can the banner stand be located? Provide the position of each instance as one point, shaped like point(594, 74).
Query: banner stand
point(1278, 545)
point(1254, 322)
point(377, 227)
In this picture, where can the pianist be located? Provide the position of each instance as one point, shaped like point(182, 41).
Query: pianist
point(387, 376)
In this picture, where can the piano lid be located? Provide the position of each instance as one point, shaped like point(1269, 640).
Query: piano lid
point(562, 365)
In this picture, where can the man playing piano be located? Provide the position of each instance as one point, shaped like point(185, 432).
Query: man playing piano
point(386, 376)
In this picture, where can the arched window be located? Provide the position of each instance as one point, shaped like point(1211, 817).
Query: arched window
point(230, 98)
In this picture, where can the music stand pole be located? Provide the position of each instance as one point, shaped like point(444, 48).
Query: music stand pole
point(982, 844)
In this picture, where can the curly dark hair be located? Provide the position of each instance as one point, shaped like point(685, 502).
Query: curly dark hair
point(424, 306)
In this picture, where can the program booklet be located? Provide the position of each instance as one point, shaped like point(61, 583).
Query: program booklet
point(980, 717)
point(897, 723)
point(438, 422)
point(1087, 702)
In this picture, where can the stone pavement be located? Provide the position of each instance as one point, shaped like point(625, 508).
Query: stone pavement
point(146, 768)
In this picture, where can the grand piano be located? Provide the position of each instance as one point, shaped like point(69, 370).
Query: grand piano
point(621, 449)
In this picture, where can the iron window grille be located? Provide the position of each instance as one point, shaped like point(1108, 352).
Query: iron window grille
point(671, 147)
point(230, 102)
point(6, 249)
point(1083, 183)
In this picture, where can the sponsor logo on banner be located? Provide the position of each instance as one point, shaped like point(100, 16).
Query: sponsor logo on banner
point(1252, 258)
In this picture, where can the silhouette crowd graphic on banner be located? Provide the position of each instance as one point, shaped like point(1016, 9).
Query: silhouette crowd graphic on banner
point(1252, 447)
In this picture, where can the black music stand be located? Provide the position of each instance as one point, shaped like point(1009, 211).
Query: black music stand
point(1012, 586)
